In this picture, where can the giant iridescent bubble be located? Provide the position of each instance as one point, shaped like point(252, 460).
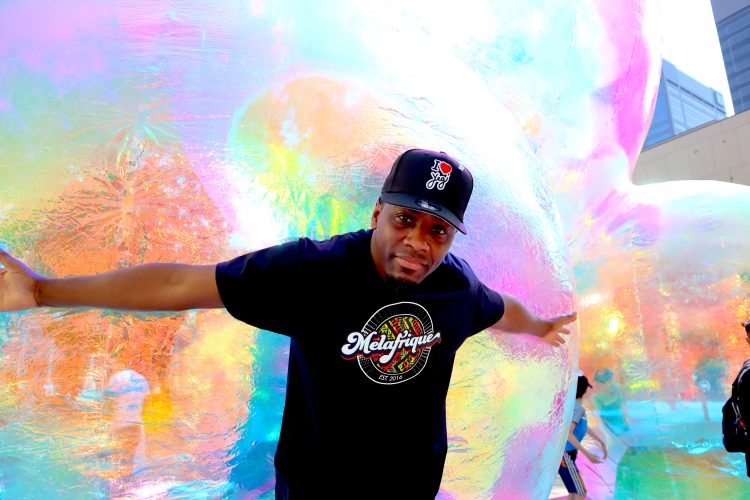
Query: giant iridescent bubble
point(158, 131)
point(662, 280)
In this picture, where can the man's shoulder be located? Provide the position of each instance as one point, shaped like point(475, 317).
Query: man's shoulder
point(457, 265)
point(299, 252)
point(579, 408)
point(457, 271)
point(338, 246)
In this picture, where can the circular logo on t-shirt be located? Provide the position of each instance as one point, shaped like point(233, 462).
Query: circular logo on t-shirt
point(395, 343)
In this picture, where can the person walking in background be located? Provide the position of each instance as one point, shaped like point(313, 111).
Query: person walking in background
point(568, 471)
point(735, 414)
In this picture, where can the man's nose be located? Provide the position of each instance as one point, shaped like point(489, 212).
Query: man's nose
point(416, 239)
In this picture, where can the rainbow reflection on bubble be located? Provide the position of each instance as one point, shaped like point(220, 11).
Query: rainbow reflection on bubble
point(159, 131)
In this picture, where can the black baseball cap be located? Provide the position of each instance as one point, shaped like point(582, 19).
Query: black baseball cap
point(430, 182)
point(583, 385)
point(583, 380)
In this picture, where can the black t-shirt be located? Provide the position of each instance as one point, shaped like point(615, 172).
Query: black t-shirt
point(369, 362)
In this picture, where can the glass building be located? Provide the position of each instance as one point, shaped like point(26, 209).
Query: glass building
point(733, 25)
point(682, 104)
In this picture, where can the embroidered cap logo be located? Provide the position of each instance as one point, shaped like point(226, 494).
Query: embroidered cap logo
point(441, 174)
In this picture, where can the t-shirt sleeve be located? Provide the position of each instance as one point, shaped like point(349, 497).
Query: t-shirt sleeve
point(263, 288)
point(578, 413)
point(484, 309)
point(490, 307)
point(484, 306)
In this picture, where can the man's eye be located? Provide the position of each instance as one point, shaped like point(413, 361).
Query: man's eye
point(440, 230)
point(404, 218)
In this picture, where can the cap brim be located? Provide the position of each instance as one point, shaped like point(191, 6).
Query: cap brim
point(421, 205)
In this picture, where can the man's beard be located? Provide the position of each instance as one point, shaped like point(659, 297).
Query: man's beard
point(400, 286)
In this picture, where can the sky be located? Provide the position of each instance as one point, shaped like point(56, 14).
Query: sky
point(690, 42)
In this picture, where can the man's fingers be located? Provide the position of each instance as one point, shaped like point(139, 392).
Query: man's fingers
point(561, 330)
point(560, 322)
point(568, 318)
point(556, 341)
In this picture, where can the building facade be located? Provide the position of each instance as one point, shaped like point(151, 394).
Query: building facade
point(733, 25)
point(717, 151)
point(682, 103)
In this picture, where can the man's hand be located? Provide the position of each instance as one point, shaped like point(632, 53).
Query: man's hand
point(558, 330)
point(17, 284)
point(592, 458)
point(518, 319)
point(599, 440)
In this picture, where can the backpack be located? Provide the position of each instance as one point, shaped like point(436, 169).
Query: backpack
point(734, 424)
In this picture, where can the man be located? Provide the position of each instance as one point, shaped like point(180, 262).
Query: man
point(736, 411)
point(568, 470)
point(375, 318)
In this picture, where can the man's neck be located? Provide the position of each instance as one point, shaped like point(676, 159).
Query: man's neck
point(400, 287)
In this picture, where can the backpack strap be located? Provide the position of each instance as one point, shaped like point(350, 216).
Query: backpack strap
point(736, 399)
point(738, 417)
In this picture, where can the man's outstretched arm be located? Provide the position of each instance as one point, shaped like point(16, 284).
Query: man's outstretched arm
point(518, 319)
point(150, 287)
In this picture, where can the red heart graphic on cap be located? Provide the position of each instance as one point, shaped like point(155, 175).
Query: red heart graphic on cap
point(445, 167)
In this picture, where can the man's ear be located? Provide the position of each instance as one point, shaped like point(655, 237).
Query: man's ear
point(376, 211)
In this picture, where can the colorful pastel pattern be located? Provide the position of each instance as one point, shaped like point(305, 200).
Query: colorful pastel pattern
point(157, 131)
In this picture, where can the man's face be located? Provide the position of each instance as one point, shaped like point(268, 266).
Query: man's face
point(407, 245)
